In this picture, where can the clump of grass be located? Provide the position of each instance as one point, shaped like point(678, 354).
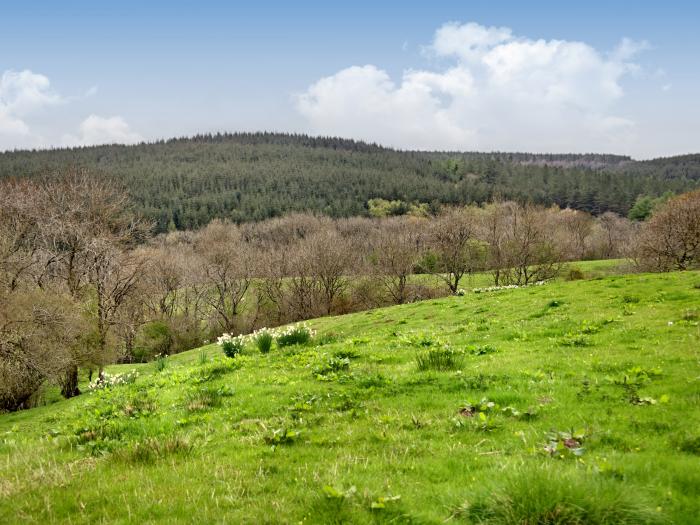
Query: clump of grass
point(202, 358)
point(295, 335)
point(205, 397)
point(440, 359)
point(161, 362)
point(630, 299)
point(550, 496)
point(691, 315)
point(263, 340)
point(151, 449)
point(577, 340)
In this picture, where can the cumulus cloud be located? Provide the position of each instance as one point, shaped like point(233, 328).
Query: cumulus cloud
point(103, 130)
point(495, 90)
point(26, 99)
point(22, 94)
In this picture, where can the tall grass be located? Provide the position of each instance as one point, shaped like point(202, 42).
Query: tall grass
point(440, 359)
point(548, 495)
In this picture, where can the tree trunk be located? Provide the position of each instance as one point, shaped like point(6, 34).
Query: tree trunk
point(69, 388)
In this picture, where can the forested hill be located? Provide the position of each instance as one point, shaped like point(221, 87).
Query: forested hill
point(184, 183)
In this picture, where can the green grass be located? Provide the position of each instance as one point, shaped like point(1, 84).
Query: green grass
point(573, 402)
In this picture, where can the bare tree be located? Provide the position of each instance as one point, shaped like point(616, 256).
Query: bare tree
point(670, 239)
point(330, 260)
point(226, 270)
point(453, 238)
point(577, 227)
point(530, 252)
point(397, 250)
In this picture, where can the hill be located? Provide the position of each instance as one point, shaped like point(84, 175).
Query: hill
point(184, 183)
point(569, 402)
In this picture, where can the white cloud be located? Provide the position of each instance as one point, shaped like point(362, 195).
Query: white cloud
point(497, 91)
point(468, 41)
point(26, 99)
point(103, 130)
point(22, 94)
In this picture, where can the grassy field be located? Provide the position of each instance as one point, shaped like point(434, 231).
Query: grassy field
point(571, 402)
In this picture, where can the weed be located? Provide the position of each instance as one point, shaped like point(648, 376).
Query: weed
point(282, 436)
point(482, 350)
point(574, 339)
point(565, 444)
point(332, 365)
point(346, 353)
point(372, 380)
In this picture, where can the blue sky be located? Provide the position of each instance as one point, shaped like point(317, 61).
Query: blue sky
point(536, 76)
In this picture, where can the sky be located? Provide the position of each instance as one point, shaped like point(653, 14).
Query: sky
point(606, 77)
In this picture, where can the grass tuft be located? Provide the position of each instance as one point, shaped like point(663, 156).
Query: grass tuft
point(552, 496)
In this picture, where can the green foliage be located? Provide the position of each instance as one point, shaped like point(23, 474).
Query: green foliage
point(154, 339)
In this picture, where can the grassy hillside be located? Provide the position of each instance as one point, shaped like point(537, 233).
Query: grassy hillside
point(185, 183)
point(565, 403)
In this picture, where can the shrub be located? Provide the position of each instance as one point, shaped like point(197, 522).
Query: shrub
point(440, 359)
point(154, 339)
point(575, 274)
point(232, 346)
point(299, 334)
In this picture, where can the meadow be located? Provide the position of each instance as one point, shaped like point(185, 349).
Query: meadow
point(569, 402)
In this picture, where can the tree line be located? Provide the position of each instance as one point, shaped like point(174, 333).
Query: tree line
point(85, 282)
point(183, 184)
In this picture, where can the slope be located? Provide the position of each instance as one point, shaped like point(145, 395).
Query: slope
point(555, 403)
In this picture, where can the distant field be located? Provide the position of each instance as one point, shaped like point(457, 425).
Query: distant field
point(548, 404)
